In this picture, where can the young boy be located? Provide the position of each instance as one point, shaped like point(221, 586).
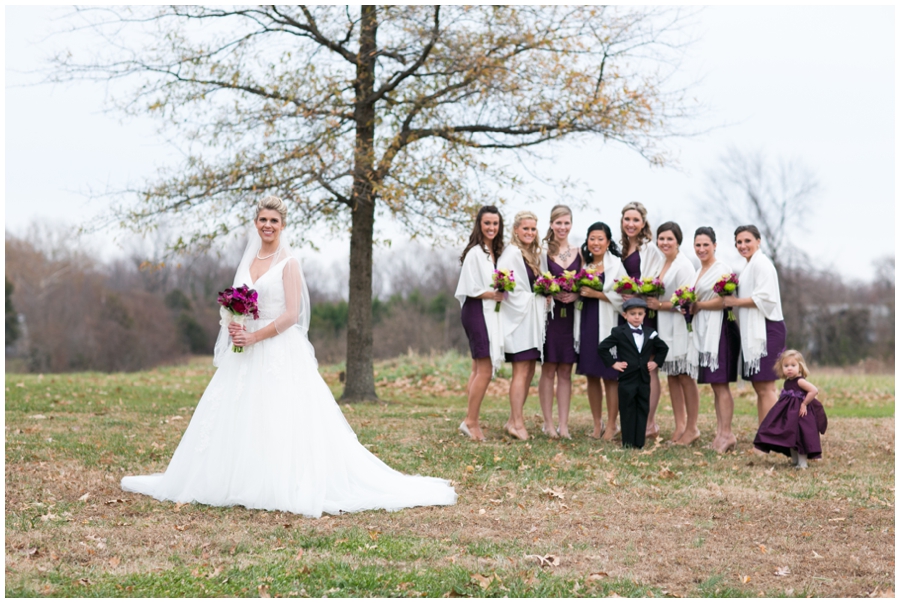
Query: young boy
point(638, 352)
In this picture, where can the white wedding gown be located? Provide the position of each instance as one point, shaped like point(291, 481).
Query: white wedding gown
point(268, 434)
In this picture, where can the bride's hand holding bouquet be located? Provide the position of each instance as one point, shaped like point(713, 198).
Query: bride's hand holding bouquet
point(239, 303)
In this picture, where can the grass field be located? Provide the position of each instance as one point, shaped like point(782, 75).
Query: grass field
point(542, 518)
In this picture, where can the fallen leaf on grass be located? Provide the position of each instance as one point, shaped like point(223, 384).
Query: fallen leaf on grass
point(181, 528)
point(666, 473)
point(114, 562)
point(883, 594)
point(745, 579)
point(299, 555)
point(783, 571)
point(763, 549)
point(545, 560)
point(554, 492)
point(483, 581)
point(84, 496)
point(263, 590)
point(32, 552)
point(453, 594)
point(597, 576)
point(373, 534)
point(115, 501)
point(817, 556)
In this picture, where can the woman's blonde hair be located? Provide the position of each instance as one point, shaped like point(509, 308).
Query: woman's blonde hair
point(646, 233)
point(779, 365)
point(530, 253)
point(557, 212)
point(274, 203)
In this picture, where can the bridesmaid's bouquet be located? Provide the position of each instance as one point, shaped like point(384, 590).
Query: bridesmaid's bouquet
point(240, 302)
point(566, 282)
point(652, 287)
point(546, 285)
point(626, 286)
point(504, 282)
point(590, 279)
point(683, 298)
point(727, 285)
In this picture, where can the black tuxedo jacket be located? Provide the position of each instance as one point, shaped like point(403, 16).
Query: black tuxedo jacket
point(622, 339)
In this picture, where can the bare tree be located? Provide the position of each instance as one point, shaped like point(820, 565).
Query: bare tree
point(353, 112)
point(751, 188)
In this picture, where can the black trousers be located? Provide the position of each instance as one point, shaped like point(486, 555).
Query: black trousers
point(634, 406)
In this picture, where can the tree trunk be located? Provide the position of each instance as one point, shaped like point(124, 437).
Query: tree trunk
point(360, 370)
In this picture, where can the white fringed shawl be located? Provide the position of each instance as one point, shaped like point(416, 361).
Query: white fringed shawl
point(477, 278)
point(708, 323)
point(522, 313)
point(609, 310)
point(759, 282)
point(682, 357)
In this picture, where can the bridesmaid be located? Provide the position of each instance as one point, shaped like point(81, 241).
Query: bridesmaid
point(763, 335)
point(522, 316)
point(681, 363)
point(559, 347)
point(642, 260)
point(717, 339)
point(593, 324)
point(476, 294)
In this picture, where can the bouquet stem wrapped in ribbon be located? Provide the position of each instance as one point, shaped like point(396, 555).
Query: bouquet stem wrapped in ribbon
point(652, 287)
point(727, 285)
point(683, 298)
point(504, 282)
point(590, 279)
point(239, 302)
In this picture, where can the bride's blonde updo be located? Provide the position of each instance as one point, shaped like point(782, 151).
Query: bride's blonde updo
point(275, 203)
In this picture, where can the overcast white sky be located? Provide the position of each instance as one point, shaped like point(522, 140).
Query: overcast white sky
point(811, 83)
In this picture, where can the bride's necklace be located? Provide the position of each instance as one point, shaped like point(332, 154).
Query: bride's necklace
point(267, 257)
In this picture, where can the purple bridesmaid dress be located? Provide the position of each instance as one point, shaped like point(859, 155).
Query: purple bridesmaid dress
point(776, 343)
point(784, 428)
point(559, 346)
point(533, 353)
point(729, 352)
point(589, 363)
point(472, 317)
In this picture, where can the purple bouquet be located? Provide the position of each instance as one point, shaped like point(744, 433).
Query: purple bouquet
point(683, 298)
point(566, 282)
point(727, 285)
point(241, 302)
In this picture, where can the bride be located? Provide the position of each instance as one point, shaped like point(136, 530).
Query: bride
point(267, 433)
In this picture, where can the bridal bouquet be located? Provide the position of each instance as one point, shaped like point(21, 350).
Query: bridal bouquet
point(683, 298)
point(590, 279)
point(239, 302)
point(504, 282)
point(652, 287)
point(726, 285)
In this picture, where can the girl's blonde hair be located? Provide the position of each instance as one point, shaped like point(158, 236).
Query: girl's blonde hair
point(646, 233)
point(557, 212)
point(530, 253)
point(779, 366)
point(275, 203)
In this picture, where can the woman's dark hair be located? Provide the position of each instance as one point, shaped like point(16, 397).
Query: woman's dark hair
point(672, 227)
point(476, 238)
point(706, 230)
point(748, 228)
point(613, 248)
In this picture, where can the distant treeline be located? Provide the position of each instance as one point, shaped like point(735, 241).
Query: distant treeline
point(68, 312)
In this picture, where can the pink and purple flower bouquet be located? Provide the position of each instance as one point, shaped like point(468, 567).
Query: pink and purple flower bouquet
point(727, 285)
point(588, 278)
point(626, 286)
point(504, 282)
point(546, 285)
point(683, 298)
point(652, 287)
point(566, 282)
point(240, 302)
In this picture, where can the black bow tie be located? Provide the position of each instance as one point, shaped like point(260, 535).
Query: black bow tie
point(637, 331)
